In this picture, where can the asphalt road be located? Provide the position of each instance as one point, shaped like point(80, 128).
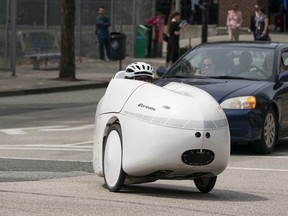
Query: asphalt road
point(47, 136)
point(45, 169)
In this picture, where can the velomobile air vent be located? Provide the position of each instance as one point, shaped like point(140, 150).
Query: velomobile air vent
point(197, 157)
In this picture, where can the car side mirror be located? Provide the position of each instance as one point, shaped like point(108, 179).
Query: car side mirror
point(161, 71)
point(283, 77)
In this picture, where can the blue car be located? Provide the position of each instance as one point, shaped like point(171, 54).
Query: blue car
point(250, 82)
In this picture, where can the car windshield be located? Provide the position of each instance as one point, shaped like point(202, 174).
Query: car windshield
point(225, 62)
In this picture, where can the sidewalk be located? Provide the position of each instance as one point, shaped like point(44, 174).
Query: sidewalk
point(90, 73)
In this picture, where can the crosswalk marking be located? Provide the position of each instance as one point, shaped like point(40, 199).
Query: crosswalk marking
point(55, 128)
point(23, 131)
point(80, 147)
point(45, 159)
point(257, 169)
point(83, 127)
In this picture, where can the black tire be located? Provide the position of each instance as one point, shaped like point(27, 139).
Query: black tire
point(268, 139)
point(205, 184)
point(114, 175)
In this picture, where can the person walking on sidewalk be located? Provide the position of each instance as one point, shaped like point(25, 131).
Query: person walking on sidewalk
point(173, 46)
point(102, 31)
point(262, 26)
point(234, 22)
point(253, 21)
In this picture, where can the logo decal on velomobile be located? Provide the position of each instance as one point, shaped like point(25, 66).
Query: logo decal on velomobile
point(146, 107)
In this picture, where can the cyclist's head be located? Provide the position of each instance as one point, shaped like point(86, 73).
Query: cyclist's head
point(139, 71)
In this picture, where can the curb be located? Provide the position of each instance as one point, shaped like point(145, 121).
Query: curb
point(53, 89)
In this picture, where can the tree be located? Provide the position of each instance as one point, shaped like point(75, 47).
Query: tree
point(67, 60)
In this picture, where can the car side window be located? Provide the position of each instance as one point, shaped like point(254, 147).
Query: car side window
point(283, 62)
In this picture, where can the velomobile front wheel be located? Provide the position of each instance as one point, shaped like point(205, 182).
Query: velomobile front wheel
point(114, 175)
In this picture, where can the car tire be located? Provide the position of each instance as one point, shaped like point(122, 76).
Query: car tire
point(205, 184)
point(114, 175)
point(268, 139)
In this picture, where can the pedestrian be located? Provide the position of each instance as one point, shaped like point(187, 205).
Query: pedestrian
point(174, 28)
point(253, 20)
point(278, 22)
point(262, 26)
point(234, 22)
point(102, 31)
point(194, 11)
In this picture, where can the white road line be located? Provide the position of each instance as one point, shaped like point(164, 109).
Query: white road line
point(275, 156)
point(13, 132)
point(44, 159)
point(56, 128)
point(42, 146)
point(81, 146)
point(80, 143)
point(21, 131)
point(70, 145)
point(83, 127)
point(51, 149)
point(257, 169)
point(283, 155)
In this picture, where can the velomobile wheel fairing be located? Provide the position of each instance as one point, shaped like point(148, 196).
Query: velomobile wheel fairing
point(113, 173)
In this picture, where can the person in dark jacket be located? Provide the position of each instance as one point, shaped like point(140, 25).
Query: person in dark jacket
point(102, 31)
point(173, 46)
point(253, 21)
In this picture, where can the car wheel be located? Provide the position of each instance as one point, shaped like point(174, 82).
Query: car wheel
point(114, 175)
point(205, 184)
point(267, 142)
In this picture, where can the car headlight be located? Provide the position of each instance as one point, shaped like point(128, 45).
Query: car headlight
point(245, 102)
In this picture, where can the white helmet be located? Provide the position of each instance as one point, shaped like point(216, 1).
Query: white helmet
point(137, 69)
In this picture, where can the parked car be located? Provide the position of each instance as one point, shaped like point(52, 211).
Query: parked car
point(144, 132)
point(250, 82)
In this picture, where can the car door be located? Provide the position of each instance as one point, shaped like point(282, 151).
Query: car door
point(283, 93)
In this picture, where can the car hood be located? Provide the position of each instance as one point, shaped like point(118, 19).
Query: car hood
point(220, 89)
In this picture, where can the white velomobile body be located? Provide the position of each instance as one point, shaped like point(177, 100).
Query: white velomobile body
point(144, 132)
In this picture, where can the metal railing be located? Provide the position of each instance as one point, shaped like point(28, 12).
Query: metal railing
point(25, 15)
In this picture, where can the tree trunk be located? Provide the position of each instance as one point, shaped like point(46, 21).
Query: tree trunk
point(67, 60)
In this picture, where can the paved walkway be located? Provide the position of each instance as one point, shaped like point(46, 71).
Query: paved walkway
point(89, 73)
